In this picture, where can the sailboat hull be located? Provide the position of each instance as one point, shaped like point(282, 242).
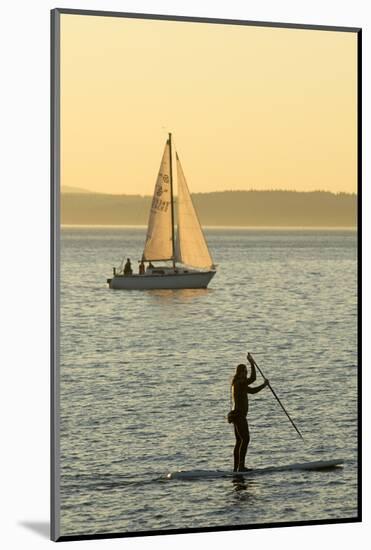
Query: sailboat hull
point(194, 279)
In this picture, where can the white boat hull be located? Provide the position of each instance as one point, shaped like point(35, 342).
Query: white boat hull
point(193, 279)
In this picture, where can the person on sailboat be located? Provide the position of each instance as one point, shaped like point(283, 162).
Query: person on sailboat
point(127, 268)
point(241, 387)
point(141, 268)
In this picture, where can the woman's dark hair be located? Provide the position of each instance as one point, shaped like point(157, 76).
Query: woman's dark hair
point(240, 373)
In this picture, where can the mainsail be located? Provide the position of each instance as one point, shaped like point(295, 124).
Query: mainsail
point(158, 245)
point(191, 248)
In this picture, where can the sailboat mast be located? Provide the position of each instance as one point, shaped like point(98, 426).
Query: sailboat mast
point(172, 200)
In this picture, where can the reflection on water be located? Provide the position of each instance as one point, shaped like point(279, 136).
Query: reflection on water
point(240, 483)
point(243, 483)
point(179, 294)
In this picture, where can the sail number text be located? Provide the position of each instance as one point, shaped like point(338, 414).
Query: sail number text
point(159, 204)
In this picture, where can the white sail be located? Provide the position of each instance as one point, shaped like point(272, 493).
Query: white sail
point(158, 245)
point(191, 247)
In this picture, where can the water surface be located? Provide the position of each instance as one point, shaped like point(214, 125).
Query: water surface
point(145, 382)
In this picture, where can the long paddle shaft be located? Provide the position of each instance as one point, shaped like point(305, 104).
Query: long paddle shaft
point(278, 399)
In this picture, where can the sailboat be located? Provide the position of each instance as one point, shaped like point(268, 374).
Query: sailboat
point(186, 248)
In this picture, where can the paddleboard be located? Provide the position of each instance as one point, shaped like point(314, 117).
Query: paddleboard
point(204, 474)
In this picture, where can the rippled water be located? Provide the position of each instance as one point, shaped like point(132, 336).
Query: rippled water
point(145, 382)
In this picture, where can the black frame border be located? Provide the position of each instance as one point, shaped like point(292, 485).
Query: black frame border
point(55, 268)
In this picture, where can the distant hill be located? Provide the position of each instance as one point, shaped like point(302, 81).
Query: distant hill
point(227, 208)
point(69, 189)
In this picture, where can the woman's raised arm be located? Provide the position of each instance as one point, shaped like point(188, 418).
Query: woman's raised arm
point(251, 379)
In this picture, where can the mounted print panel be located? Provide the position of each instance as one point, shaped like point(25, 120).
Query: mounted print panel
point(205, 189)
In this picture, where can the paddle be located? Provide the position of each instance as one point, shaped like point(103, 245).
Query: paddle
point(275, 395)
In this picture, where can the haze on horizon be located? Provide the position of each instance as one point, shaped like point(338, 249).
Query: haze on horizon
point(249, 107)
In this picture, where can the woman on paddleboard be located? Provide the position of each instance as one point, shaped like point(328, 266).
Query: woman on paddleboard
point(241, 387)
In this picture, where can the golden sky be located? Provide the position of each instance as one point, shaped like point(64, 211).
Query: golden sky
point(249, 107)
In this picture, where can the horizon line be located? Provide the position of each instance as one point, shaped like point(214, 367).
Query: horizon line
point(281, 190)
point(254, 227)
